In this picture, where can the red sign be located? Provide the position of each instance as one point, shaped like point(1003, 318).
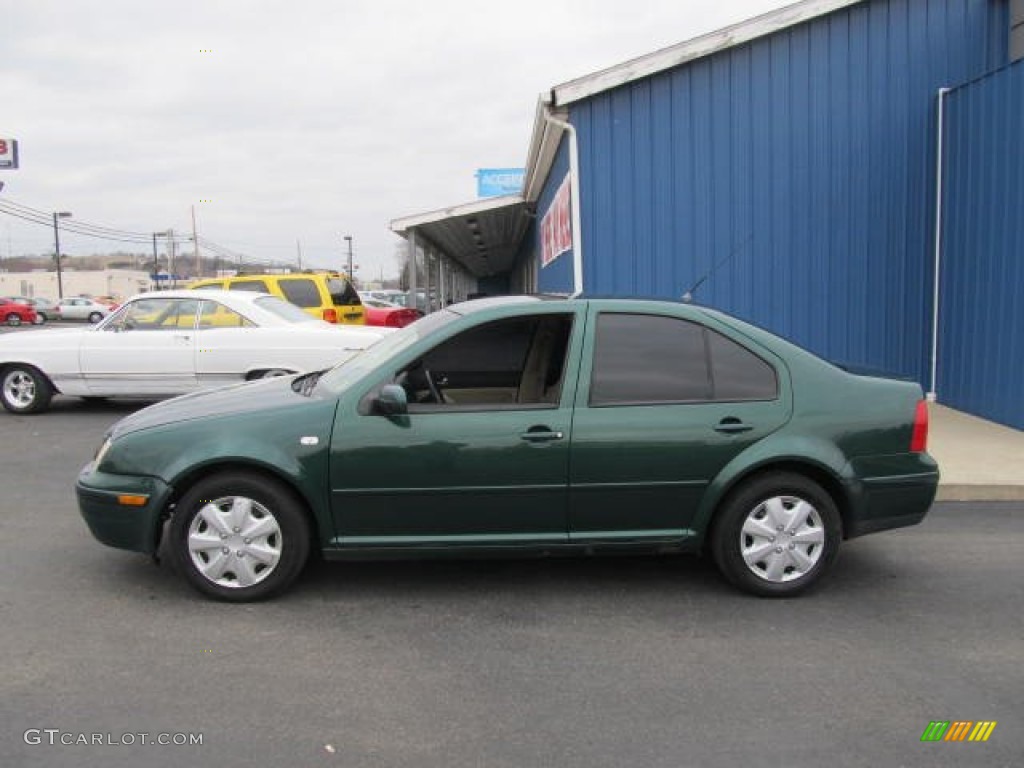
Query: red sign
point(556, 226)
point(8, 153)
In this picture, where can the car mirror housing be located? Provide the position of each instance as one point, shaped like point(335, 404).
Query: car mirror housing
point(392, 400)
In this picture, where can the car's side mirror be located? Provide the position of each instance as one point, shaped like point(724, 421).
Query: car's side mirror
point(392, 400)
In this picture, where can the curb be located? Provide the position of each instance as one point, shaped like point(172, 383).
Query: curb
point(979, 492)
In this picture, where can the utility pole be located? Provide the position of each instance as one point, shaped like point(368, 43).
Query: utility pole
point(56, 241)
point(298, 250)
point(170, 258)
point(348, 239)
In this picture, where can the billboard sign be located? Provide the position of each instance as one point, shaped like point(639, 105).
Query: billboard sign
point(493, 182)
point(556, 226)
point(8, 153)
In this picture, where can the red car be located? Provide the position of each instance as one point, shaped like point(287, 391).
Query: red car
point(389, 315)
point(13, 313)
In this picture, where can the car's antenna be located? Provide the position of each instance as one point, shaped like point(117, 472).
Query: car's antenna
point(688, 296)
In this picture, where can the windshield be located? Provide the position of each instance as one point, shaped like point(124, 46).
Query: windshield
point(284, 310)
point(345, 374)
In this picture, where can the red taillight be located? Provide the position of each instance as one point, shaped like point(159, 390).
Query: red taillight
point(919, 435)
point(331, 315)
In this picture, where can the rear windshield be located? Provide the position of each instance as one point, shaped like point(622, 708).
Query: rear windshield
point(342, 292)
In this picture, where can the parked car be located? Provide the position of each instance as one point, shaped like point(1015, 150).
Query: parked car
point(81, 308)
point(389, 315)
point(15, 312)
point(328, 296)
point(44, 307)
point(169, 343)
point(529, 426)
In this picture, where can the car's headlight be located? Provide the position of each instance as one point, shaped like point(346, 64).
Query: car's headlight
point(98, 459)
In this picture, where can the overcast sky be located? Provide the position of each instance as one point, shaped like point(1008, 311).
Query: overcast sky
point(302, 120)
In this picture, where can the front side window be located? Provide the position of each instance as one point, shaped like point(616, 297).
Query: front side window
point(648, 359)
point(155, 315)
point(302, 292)
point(511, 363)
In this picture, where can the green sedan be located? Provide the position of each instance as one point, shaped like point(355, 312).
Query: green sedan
point(521, 425)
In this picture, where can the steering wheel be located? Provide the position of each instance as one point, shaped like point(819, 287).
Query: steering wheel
point(435, 391)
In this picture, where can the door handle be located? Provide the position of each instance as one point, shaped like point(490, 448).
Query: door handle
point(732, 426)
point(540, 435)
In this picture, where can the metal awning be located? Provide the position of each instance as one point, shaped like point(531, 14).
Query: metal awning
point(483, 236)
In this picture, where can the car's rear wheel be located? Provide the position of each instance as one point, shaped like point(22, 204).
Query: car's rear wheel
point(239, 536)
point(13, 319)
point(23, 389)
point(95, 317)
point(776, 535)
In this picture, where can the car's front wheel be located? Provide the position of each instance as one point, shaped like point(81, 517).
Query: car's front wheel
point(13, 319)
point(776, 535)
point(39, 319)
point(95, 317)
point(23, 389)
point(239, 536)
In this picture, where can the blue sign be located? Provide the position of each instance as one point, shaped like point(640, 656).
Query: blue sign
point(492, 182)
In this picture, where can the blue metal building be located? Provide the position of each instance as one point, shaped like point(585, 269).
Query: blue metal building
point(788, 170)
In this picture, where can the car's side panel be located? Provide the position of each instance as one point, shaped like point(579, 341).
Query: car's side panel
point(139, 362)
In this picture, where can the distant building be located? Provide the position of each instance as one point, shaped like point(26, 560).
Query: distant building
point(120, 283)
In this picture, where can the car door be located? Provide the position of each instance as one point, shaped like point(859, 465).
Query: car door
point(481, 457)
point(148, 348)
point(664, 404)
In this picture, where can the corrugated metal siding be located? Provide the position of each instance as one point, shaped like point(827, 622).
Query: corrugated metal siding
point(981, 320)
point(801, 164)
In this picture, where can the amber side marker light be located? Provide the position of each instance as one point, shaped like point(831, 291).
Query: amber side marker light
point(919, 435)
point(129, 500)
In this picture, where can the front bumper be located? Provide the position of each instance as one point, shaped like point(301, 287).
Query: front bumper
point(115, 523)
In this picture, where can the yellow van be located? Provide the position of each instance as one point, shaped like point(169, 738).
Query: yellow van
point(326, 295)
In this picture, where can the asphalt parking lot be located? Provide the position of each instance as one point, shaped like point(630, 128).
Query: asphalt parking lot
point(603, 662)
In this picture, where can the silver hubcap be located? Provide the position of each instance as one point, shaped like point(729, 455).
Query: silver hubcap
point(19, 389)
point(235, 542)
point(782, 538)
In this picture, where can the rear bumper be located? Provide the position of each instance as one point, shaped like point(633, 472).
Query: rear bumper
point(892, 492)
point(111, 521)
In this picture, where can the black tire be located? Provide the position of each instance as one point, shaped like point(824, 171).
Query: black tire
point(40, 319)
point(13, 319)
point(23, 389)
point(95, 317)
point(777, 563)
point(221, 547)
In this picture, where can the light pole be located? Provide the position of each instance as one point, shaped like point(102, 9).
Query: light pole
point(56, 241)
point(348, 239)
point(156, 263)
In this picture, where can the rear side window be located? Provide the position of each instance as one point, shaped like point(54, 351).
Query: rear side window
point(342, 292)
point(209, 287)
point(739, 374)
point(257, 286)
point(647, 359)
point(301, 292)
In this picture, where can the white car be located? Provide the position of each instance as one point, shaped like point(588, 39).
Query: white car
point(81, 308)
point(170, 343)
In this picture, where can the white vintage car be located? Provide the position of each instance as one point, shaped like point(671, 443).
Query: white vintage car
point(170, 343)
